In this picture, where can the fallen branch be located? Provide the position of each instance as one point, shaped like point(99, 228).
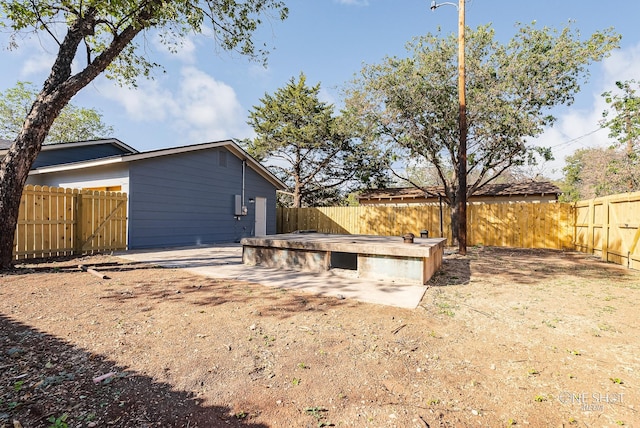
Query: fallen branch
point(93, 272)
point(103, 377)
point(395, 331)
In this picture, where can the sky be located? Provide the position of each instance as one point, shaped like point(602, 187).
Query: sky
point(206, 94)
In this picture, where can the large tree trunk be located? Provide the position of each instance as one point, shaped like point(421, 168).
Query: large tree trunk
point(15, 167)
point(455, 222)
point(13, 176)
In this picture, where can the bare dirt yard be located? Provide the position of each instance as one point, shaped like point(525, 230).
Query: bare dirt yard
point(502, 337)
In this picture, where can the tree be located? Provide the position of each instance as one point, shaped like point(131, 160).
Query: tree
point(410, 105)
point(624, 126)
point(73, 123)
point(595, 172)
point(104, 33)
point(317, 154)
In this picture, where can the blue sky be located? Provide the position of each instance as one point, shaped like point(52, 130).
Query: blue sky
point(206, 94)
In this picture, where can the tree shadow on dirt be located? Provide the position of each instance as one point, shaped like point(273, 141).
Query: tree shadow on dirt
point(525, 266)
point(44, 378)
point(204, 292)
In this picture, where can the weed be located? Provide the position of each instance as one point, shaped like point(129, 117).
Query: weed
point(511, 422)
point(616, 380)
point(18, 385)
point(606, 327)
point(316, 412)
point(295, 381)
point(574, 352)
point(319, 414)
point(445, 309)
point(540, 398)
point(620, 423)
point(268, 340)
point(241, 415)
point(533, 372)
point(573, 421)
point(434, 401)
point(303, 366)
point(571, 376)
point(59, 422)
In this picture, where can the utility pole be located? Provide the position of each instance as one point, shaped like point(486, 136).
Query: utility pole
point(461, 195)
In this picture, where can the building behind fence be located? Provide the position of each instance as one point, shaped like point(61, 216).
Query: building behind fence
point(608, 227)
point(57, 222)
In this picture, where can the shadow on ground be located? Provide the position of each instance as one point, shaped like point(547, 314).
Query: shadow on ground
point(522, 266)
point(44, 378)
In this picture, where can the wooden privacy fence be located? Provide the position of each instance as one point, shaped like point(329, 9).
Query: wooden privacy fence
point(610, 228)
point(523, 225)
point(56, 222)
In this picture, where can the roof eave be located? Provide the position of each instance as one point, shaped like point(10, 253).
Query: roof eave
point(132, 157)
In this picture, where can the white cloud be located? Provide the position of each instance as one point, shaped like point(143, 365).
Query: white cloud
point(37, 65)
point(623, 65)
point(577, 129)
point(210, 109)
point(199, 108)
point(148, 103)
point(326, 96)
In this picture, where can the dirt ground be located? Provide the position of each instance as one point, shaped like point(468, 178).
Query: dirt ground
point(502, 337)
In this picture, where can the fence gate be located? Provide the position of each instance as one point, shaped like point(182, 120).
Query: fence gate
point(57, 222)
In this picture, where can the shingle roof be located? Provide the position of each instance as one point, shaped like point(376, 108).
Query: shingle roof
point(506, 189)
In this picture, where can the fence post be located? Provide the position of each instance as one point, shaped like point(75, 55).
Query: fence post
point(78, 224)
point(590, 231)
point(605, 230)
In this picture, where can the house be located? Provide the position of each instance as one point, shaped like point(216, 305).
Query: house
point(198, 194)
point(533, 191)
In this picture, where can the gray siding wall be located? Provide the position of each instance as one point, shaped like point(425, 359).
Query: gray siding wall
point(75, 154)
point(188, 199)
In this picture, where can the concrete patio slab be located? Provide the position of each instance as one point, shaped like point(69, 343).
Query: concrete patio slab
point(225, 261)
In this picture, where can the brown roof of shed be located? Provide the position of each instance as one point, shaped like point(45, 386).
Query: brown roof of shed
point(505, 189)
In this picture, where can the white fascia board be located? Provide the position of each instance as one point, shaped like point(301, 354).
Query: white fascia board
point(76, 165)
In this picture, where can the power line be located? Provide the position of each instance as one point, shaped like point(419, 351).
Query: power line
point(577, 138)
